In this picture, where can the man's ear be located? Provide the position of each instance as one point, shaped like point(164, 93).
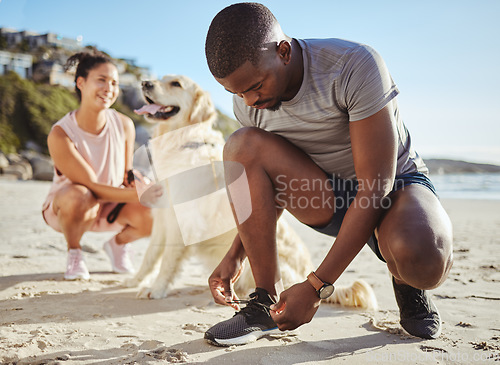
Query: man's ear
point(285, 51)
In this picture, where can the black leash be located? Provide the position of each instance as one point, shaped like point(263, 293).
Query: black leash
point(114, 213)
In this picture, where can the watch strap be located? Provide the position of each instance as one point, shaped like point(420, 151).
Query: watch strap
point(316, 282)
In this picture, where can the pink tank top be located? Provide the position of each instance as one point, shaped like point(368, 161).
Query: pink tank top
point(104, 152)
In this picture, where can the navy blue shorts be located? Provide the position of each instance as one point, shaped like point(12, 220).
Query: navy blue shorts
point(345, 192)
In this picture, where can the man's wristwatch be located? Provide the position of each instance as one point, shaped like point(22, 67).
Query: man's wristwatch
point(323, 289)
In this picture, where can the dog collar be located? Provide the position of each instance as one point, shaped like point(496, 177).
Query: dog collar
point(195, 145)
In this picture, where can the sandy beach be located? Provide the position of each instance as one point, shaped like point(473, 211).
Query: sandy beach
point(46, 320)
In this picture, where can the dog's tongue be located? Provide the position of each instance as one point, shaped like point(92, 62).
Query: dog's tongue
point(148, 109)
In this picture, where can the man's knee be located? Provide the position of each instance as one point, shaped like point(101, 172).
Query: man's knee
point(423, 260)
point(243, 144)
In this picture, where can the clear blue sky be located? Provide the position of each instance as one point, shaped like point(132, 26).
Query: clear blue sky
point(443, 55)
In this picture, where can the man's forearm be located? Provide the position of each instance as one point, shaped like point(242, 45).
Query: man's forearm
point(357, 227)
point(237, 250)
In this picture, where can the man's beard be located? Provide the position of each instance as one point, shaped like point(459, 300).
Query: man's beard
point(275, 107)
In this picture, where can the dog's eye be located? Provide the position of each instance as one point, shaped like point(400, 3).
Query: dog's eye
point(175, 84)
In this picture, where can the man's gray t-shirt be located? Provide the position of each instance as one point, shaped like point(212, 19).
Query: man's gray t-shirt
point(343, 82)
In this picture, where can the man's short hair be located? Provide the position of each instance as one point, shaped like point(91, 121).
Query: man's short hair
point(236, 35)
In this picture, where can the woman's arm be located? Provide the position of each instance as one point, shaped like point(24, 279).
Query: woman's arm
point(129, 128)
point(71, 164)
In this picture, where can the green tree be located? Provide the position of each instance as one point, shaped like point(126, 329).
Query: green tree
point(24, 46)
point(3, 42)
point(28, 110)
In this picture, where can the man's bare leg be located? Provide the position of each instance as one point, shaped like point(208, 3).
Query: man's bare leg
point(415, 238)
point(275, 166)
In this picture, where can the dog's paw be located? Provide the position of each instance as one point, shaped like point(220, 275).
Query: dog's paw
point(131, 282)
point(154, 197)
point(152, 293)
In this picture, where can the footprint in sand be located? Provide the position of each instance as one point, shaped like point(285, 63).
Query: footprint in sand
point(157, 350)
point(198, 327)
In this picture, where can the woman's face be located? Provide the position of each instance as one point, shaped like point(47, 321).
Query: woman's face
point(100, 89)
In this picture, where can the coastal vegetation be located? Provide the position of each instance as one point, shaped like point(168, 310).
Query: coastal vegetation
point(28, 110)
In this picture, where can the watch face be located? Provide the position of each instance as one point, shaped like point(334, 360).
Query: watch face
point(326, 291)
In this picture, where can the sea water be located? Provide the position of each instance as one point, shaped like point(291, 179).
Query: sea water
point(467, 185)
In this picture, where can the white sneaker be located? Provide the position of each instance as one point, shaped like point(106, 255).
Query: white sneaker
point(119, 256)
point(76, 267)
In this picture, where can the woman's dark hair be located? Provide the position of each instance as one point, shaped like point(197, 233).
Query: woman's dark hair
point(86, 61)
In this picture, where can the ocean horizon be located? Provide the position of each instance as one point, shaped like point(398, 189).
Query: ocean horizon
point(467, 185)
point(484, 186)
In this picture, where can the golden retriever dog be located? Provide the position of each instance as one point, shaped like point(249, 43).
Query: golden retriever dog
point(195, 217)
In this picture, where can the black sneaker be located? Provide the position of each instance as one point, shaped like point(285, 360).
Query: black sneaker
point(249, 324)
point(419, 315)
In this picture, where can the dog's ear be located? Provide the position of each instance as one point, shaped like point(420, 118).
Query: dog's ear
point(203, 108)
